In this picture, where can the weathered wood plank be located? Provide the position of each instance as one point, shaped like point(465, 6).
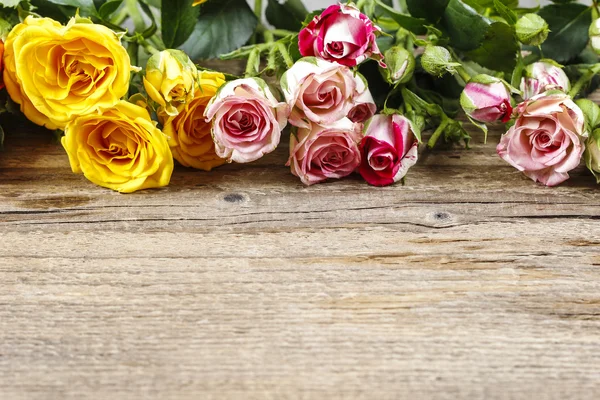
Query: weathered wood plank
point(468, 282)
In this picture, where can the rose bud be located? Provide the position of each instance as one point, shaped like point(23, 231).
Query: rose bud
point(247, 120)
point(171, 80)
point(592, 154)
point(595, 36)
point(319, 153)
point(389, 148)
point(532, 30)
point(486, 99)
point(543, 76)
point(341, 34)
point(547, 139)
point(320, 92)
point(364, 105)
point(400, 65)
point(591, 112)
point(437, 60)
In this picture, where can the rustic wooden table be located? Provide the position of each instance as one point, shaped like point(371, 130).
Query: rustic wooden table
point(468, 282)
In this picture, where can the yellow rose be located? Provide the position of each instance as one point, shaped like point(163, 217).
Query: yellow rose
point(189, 133)
point(198, 2)
point(171, 79)
point(57, 73)
point(121, 148)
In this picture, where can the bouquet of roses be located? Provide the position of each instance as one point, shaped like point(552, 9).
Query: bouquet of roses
point(355, 84)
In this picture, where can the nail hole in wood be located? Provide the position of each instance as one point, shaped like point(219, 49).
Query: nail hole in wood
point(234, 198)
point(441, 216)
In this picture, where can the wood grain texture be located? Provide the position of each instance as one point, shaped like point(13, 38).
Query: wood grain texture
point(469, 282)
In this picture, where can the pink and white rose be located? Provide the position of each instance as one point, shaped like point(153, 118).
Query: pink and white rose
point(364, 105)
point(319, 153)
point(547, 140)
point(389, 148)
point(247, 120)
point(486, 99)
point(320, 92)
point(543, 76)
point(341, 34)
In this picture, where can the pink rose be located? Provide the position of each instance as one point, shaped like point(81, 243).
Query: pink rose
point(542, 76)
point(320, 92)
point(389, 148)
point(341, 34)
point(547, 140)
point(486, 99)
point(319, 153)
point(247, 120)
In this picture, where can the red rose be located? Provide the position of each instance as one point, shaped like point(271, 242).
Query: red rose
point(388, 149)
point(341, 34)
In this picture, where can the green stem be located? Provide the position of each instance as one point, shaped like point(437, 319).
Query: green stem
point(460, 69)
point(148, 47)
point(272, 60)
point(463, 74)
point(132, 50)
point(410, 43)
point(258, 9)
point(438, 132)
point(136, 16)
point(289, 62)
point(156, 42)
point(119, 18)
point(282, 32)
point(253, 65)
point(392, 92)
point(268, 35)
point(584, 80)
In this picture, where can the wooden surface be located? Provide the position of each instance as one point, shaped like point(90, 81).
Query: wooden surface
point(470, 282)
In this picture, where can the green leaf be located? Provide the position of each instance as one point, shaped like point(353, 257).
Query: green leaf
point(178, 20)
point(86, 7)
point(9, 3)
point(415, 25)
point(505, 12)
point(517, 74)
point(569, 25)
point(431, 10)
point(465, 26)
point(287, 15)
point(223, 26)
point(499, 48)
point(57, 12)
point(483, 5)
point(108, 8)
point(154, 3)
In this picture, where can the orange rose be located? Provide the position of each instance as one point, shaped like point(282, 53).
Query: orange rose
point(189, 133)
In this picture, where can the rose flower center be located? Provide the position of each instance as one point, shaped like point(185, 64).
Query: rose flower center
point(335, 49)
point(544, 141)
point(241, 123)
